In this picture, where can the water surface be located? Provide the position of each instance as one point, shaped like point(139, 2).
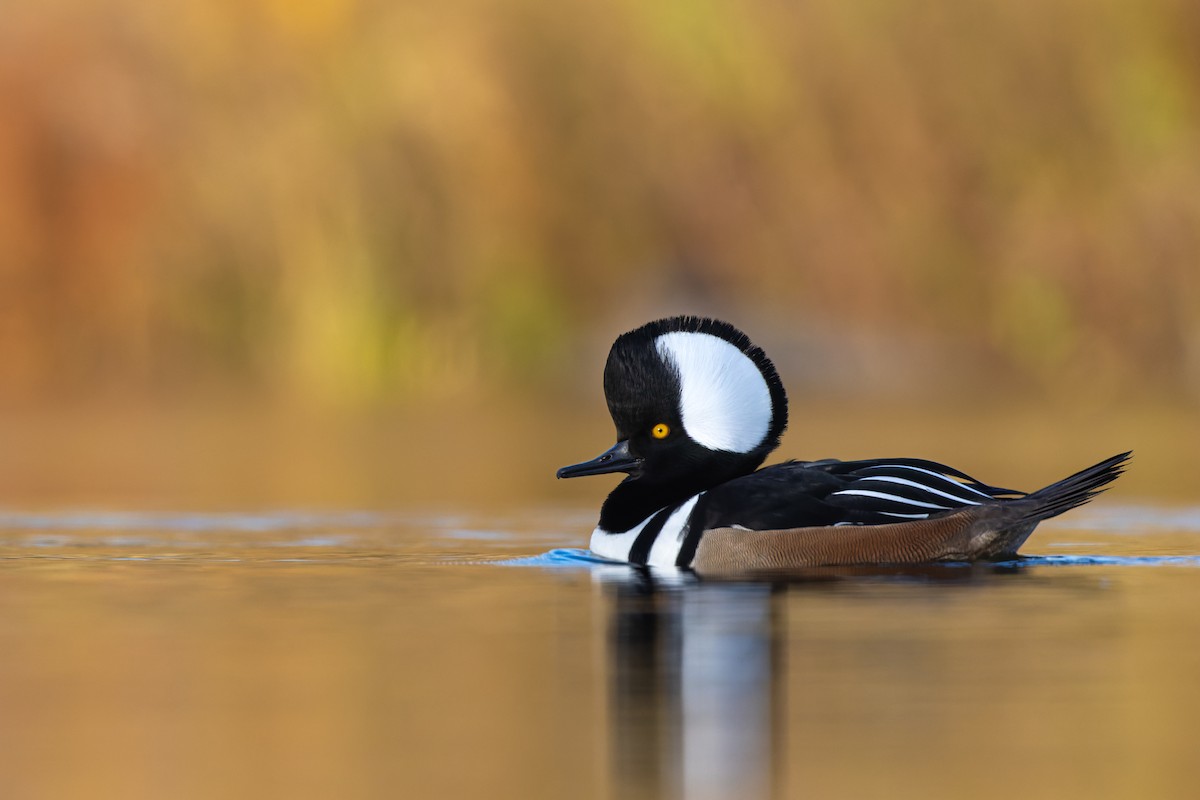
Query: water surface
point(397, 654)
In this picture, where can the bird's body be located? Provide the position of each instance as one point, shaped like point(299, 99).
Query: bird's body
point(698, 408)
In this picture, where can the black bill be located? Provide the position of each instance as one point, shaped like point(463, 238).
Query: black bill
point(615, 459)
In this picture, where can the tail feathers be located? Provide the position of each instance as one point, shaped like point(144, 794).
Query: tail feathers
point(1073, 491)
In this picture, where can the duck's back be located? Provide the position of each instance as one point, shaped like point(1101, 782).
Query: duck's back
point(799, 494)
point(879, 511)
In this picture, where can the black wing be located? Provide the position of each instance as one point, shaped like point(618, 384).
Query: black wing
point(830, 492)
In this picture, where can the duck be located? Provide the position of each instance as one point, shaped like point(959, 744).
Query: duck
point(698, 408)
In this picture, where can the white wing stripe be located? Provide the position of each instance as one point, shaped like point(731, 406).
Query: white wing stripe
point(930, 489)
point(894, 498)
point(937, 475)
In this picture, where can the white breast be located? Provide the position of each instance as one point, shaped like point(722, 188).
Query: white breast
point(615, 545)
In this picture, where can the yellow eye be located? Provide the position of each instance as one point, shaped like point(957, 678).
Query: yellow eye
point(660, 431)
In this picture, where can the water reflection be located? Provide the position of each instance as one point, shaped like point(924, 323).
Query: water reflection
point(695, 689)
point(698, 674)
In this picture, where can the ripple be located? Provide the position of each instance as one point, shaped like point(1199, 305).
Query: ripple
point(1166, 536)
point(571, 557)
point(187, 521)
point(585, 559)
point(1108, 561)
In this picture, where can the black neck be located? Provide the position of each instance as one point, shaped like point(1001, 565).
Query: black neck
point(632, 501)
point(635, 499)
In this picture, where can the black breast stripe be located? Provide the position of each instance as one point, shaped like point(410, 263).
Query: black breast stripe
point(695, 529)
point(640, 550)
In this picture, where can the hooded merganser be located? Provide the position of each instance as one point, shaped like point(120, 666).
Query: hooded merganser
point(698, 407)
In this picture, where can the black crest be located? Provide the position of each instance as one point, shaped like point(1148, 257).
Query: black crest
point(636, 382)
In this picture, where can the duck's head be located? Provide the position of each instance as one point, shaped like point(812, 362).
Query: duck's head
point(695, 403)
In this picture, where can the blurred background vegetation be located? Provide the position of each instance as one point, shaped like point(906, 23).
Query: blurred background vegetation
point(390, 209)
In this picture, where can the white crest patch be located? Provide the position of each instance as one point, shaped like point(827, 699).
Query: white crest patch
point(725, 401)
